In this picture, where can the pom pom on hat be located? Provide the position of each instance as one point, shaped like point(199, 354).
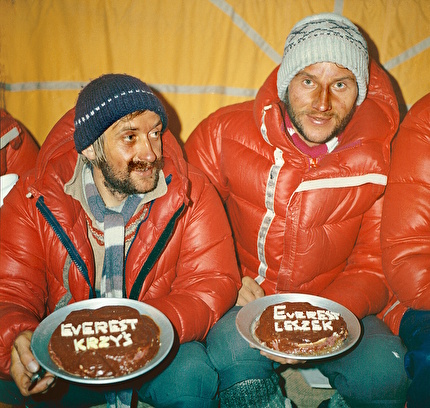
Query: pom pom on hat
point(109, 98)
point(325, 37)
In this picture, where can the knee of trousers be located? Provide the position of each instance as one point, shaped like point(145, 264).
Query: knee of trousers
point(419, 371)
point(9, 393)
point(190, 377)
point(232, 356)
point(372, 372)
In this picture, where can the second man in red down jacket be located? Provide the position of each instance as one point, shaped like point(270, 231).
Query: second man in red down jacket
point(302, 171)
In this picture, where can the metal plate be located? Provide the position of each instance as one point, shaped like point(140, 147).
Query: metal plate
point(250, 313)
point(42, 336)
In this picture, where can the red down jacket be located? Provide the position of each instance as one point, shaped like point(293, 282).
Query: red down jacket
point(181, 260)
point(405, 229)
point(18, 148)
point(299, 228)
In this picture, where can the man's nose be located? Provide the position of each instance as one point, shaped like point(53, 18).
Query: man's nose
point(322, 101)
point(145, 151)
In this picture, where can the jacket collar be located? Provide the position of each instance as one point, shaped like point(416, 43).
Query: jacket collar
point(75, 188)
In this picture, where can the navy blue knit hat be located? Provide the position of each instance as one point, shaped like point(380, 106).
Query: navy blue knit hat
point(109, 98)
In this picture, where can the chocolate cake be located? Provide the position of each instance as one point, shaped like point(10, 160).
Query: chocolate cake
point(301, 329)
point(107, 342)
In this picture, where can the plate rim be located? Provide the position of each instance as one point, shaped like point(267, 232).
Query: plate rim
point(43, 332)
point(245, 321)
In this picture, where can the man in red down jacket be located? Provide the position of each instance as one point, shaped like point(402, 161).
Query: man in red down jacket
point(56, 239)
point(302, 170)
point(405, 236)
point(18, 152)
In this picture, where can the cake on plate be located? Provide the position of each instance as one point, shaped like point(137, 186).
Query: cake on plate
point(110, 341)
point(299, 328)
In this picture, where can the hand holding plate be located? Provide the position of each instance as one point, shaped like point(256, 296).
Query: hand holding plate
point(24, 366)
point(249, 291)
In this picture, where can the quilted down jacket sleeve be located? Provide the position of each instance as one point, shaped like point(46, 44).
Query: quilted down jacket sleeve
point(361, 287)
point(18, 148)
point(204, 149)
point(406, 214)
point(22, 278)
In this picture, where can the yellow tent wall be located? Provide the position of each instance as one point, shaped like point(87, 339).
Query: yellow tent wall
point(198, 54)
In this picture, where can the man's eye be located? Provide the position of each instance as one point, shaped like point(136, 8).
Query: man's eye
point(307, 82)
point(339, 85)
point(155, 134)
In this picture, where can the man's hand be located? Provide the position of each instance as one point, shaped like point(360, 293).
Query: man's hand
point(24, 365)
point(249, 291)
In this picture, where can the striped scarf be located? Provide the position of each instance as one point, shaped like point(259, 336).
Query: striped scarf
point(112, 222)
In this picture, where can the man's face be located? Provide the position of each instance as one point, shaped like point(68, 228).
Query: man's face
point(133, 151)
point(321, 101)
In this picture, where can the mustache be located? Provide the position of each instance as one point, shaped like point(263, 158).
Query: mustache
point(143, 165)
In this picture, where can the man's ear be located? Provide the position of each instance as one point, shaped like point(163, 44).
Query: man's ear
point(89, 153)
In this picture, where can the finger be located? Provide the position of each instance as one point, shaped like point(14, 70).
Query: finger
point(42, 386)
point(245, 296)
point(253, 287)
point(22, 347)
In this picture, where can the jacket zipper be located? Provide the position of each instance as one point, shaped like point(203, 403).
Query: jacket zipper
point(65, 240)
point(155, 254)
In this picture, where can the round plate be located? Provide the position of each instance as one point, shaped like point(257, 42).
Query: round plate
point(42, 336)
point(250, 313)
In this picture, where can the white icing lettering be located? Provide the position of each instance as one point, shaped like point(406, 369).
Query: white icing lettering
point(278, 327)
point(327, 325)
point(300, 315)
point(288, 325)
point(278, 312)
point(306, 325)
point(299, 320)
point(79, 345)
point(76, 330)
point(127, 338)
point(104, 342)
point(122, 325)
point(92, 343)
point(66, 330)
point(311, 315)
point(114, 326)
point(321, 315)
point(101, 327)
point(316, 325)
point(133, 323)
point(87, 328)
point(116, 339)
point(333, 315)
point(100, 334)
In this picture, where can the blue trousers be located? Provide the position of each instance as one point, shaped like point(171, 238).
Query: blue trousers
point(189, 380)
point(371, 375)
point(415, 332)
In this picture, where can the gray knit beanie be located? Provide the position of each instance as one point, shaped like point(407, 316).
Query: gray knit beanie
point(325, 37)
point(109, 98)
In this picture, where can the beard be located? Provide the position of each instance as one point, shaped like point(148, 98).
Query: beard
point(298, 125)
point(121, 182)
